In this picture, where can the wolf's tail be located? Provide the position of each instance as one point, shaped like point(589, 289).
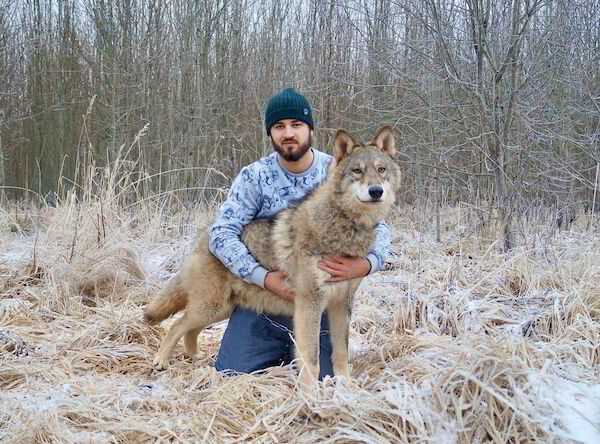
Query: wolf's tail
point(170, 300)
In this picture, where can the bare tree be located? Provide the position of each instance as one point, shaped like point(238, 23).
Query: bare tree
point(495, 101)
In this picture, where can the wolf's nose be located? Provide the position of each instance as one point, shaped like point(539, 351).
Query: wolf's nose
point(375, 192)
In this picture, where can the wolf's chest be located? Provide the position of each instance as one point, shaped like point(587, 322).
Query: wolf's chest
point(343, 238)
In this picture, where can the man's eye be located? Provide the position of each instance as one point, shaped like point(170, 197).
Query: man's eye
point(381, 170)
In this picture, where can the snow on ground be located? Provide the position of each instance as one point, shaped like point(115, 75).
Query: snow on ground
point(453, 342)
point(575, 406)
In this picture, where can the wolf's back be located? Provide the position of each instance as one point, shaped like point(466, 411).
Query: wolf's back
point(257, 236)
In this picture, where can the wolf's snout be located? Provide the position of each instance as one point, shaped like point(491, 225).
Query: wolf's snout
point(376, 191)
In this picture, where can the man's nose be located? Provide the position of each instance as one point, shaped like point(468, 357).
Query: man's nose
point(288, 131)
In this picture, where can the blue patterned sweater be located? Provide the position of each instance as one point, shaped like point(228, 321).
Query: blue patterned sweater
point(260, 191)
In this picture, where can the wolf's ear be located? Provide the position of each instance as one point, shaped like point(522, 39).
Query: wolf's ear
point(343, 145)
point(385, 140)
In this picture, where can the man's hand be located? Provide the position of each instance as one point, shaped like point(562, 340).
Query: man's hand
point(275, 283)
point(343, 268)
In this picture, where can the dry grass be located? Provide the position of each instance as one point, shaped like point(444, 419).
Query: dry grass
point(455, 342)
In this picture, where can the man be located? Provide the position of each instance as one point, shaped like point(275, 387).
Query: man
point(262, 189)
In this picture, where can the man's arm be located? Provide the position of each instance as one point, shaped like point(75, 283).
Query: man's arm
point(224, 239)
point(343, 268)
point(380, 248)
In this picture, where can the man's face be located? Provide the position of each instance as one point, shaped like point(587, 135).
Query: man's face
point(291, 139)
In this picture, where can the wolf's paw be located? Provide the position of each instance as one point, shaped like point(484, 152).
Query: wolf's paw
point(160, 362)
point(346, 382)
point(342, 372)
point(307, 380)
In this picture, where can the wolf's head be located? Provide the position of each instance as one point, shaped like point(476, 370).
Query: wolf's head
point(365, 176)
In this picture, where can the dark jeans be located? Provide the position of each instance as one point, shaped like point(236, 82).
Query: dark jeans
point(256, 341)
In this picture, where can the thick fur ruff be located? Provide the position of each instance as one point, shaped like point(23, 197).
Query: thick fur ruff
point(337, 219)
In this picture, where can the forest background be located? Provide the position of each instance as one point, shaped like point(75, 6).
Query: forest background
point(497, 102)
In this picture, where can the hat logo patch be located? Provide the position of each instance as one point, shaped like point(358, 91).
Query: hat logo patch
point(305, 111)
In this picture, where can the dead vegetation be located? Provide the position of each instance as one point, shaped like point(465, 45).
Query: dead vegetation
point(473, 346)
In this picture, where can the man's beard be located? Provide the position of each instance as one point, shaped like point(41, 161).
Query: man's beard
point(292, 154)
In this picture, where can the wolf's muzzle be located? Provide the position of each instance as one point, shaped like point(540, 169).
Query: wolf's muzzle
point(375, 192)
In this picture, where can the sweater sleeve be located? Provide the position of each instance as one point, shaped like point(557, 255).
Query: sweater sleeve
point(380, 248)
point(243, 203)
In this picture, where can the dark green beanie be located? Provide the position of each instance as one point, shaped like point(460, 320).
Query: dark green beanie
point(287, 104)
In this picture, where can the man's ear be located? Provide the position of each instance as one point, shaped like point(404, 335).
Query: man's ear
point(385, 140)
point(343, 145)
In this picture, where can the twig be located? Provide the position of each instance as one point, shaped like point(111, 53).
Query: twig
point(595, 191)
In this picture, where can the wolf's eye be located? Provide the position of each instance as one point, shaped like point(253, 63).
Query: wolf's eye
point(357, 171)
point(381, 170)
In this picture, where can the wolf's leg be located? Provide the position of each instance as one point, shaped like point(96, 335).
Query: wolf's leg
point(191, 323)
point(181, 327)
point(190, 342)
point(190, 339)
point(339, 323)
point(307, 326)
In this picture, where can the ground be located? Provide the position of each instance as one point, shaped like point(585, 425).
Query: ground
point(455, 341)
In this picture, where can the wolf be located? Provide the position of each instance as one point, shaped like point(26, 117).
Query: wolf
point(338, 218)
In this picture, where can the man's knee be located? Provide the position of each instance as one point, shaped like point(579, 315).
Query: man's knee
point(254, 342)
point(248, 345)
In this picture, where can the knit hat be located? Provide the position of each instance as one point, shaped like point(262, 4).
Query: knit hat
point(287, 104)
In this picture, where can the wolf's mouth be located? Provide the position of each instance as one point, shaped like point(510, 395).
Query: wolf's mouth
point(370, 201)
